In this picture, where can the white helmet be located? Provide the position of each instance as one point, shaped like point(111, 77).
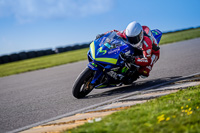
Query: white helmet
point(134, 34)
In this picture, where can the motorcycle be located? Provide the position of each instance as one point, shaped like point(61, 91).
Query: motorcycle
point(108, 64)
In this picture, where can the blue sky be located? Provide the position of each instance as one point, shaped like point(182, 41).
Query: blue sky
point(40, 24)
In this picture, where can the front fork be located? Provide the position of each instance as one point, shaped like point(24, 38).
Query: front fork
point(98, 72)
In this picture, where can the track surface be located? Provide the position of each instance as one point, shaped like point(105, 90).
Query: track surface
point(39, 95)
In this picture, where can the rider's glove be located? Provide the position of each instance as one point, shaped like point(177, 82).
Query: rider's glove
point(154, 47)
point(130, 59)
point(99, 36)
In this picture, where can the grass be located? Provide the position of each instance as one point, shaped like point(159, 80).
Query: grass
point(178, 113)
point(42, 62)
point(180, 35)
point(73, 56)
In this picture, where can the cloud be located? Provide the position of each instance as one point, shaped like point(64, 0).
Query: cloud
point(27, 10)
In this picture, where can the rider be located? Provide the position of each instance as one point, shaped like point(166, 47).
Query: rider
point(142, 38)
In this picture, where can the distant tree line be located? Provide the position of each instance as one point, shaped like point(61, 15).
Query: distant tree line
point(181, 30)
point(33, 54)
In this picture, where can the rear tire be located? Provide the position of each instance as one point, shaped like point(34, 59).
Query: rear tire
point(82, 85)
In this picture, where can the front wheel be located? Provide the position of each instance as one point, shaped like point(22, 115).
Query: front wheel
point(82, 85)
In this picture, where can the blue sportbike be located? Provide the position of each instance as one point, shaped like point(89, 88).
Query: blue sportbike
point(108, 64)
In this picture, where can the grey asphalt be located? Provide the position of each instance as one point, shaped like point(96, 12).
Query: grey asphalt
point(36, 96)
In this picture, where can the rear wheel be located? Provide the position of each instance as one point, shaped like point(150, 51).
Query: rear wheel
point(82, 85)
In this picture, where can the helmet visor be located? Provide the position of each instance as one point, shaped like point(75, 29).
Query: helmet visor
point(135, 39)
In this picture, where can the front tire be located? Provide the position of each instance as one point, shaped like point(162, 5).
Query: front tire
point(82, 85)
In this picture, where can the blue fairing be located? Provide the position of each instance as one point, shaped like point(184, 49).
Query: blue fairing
point(106, 49)
point(157, 34)
point(104, 54)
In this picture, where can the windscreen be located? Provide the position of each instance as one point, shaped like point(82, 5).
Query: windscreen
point(113, 41)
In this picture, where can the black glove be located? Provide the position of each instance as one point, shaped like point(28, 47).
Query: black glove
point(99, 36)
point(128, 58)
point(154, 47)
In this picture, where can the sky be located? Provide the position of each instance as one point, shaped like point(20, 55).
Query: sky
point(41, 24)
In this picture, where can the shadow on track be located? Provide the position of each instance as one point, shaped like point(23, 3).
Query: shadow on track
point(136, 86)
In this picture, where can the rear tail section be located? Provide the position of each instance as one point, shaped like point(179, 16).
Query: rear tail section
point(157, 34)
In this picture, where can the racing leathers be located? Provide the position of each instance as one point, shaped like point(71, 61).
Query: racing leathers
point(149, 48)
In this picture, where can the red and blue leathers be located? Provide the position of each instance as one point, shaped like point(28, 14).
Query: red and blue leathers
point(150, 53)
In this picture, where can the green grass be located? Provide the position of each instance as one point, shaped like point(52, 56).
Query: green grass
point(73, 56)
point(180, 35)
point(42, 62)
point(178, 113)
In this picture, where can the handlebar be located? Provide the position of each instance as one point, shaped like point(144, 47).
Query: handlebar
point(127, 60)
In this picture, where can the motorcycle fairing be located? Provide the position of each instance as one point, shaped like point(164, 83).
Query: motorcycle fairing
point(157, 34)
point(106, 50)
point(104, 54)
